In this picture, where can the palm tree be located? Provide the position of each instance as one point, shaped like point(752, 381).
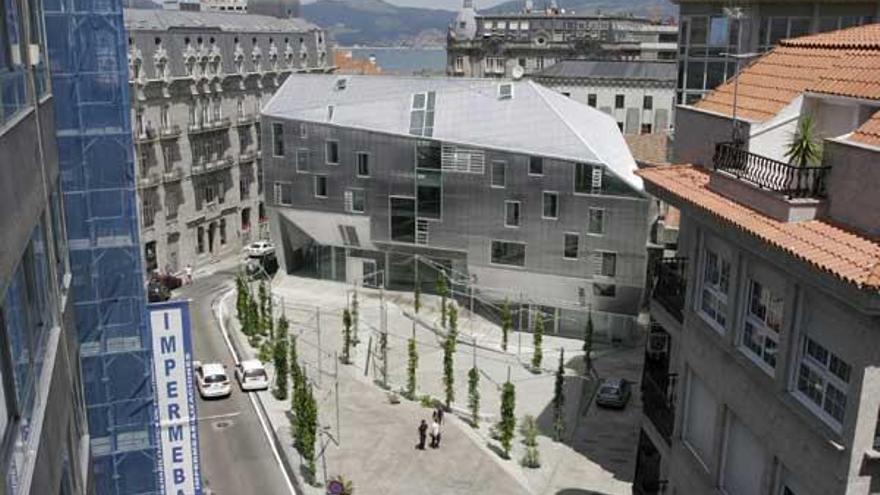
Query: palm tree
point(805, 148)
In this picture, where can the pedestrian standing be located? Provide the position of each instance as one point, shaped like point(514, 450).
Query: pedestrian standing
point(438, 415)
point(423, 431)
point(435, 435)
point(188, 273)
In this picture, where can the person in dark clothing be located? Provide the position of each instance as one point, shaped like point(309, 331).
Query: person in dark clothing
point(438, 415)
point(423, 431)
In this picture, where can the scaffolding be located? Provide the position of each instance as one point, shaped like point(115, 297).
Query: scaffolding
point(87, 54)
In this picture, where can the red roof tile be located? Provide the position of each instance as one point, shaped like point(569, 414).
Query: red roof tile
point(845, 63)
point(849, 256)
point(649, 148)
point(869, 132)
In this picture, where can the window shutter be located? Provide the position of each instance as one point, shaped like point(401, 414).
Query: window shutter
point(349, 201)
point(597, 178)
point(596, 261)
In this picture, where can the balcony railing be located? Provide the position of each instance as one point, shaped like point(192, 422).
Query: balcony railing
point(670, 285)
point(146, 134)
point(244, 120)
point(170, 132)
point(247, 156)
point(769, 174)
point(658, 390)
point(172, 175)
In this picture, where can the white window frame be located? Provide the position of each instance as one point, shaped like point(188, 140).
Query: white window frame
point(577, 236)
point(507, 204)
point(303, 130)
point(275, 127)
point(278, 190)
point(352, 191)
point(543, 204)
point(492, 174)
point(315, 186)
point(714, 289)
point(599, 264)
point(357, 164)
point(762, 327)
point(828, 379)
point(590, 211)
point(302, 152)
point(502, 95)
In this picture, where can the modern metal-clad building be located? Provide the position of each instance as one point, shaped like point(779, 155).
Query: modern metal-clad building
point(508, 187)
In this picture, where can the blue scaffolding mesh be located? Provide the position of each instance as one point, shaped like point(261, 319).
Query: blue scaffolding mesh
point(87, 55)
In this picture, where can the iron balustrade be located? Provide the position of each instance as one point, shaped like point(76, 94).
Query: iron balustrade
point(658, 389)
point(670, 285)
point(770, 174)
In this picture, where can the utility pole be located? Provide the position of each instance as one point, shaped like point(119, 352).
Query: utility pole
point(471, 287)
point(474, 345)
point(336, 372)
point(318, 326)
point(519, 333)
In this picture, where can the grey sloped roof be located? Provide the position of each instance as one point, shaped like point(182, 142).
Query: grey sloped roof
point(536, 121)
point(163, 20)
point(609, 69)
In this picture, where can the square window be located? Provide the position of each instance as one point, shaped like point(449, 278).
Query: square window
point(536, 165)
point(551, 205)
point(512, 213)
point(320, 186)
point(646, 128)
point(499, 173)
point(332, 152)
point(596, 221)
point(363, 164)
point(570, 246)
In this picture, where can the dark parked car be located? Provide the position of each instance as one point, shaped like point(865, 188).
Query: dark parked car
point(614, 392)
point(261, 266)
point(157, 292)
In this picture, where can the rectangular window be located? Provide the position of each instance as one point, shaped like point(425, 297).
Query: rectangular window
point(283, 193)
point(363, 164)
point(588, 178)
point(646, 129)
point(509, 253)
point(570, 245)
point(429, 155)
point(823, 381)
point(499, 173)
point(512, 213)
point(619, 101)
point(763, 323)
point(356, 200)
point(591, 100)
point(744, 460)
point(648, 102)
point(716, 283)
point(604, 290)
point(403, 219)
point(700, 412)
point(551, 205)
point(536, 165)
point(200, 240)
point(605, 263)
point(505, 91)
point(303, 131)
point(596, 221)
point(421, 121)
point(331, 152)
point(320, 186)
point(302, 160)
point(429, 193)
point(277, 139)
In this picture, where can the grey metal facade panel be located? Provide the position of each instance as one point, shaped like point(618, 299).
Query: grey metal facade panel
point(168, 20)
point(473, 211)
point(633, 70)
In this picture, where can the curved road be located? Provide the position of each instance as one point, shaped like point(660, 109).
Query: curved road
point(236, 457)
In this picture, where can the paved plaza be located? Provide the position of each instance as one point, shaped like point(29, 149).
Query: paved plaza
point(372, 441)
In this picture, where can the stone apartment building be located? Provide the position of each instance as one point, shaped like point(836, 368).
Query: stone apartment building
point(710, 31)
point(508, 188)
point(506, 45)
point(198, 81)
point(761, 369)
point(43, 423)
point(639, 94)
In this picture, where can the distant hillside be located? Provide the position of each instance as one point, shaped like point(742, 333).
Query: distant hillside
point(376, 22)
point(658, 9)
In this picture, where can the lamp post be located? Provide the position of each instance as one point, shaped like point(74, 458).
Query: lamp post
point(737, 14)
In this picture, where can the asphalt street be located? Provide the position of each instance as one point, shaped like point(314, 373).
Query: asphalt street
point(236, 457)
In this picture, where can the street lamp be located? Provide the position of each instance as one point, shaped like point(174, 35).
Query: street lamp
point(737, 14)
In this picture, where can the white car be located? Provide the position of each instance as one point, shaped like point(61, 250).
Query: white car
point(260, 248)
point(251, 375)
point(212, 380)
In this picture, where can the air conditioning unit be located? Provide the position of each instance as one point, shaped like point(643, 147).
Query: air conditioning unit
point(658, 345)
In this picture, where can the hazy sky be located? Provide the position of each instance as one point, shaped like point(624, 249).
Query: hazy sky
point(437, 4)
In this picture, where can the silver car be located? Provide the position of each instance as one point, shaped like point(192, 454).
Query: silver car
point(211, 380)
point(251, 375)
point(614, 392)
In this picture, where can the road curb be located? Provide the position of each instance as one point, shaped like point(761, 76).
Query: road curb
point(257, 401)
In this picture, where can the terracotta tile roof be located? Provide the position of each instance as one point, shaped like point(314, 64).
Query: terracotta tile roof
point(849, 256)
point(869, 132)
point(649, 148)
point(346, 63)
point(845, 62)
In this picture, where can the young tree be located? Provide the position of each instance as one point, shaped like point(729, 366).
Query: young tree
point(538, 338)
point(453, 324)
point(442, 292)
point(346, 336)
point(411, 366)
point(474, 394)
point(241, 300)
point(588, 343)
point(383, 353)
point(506, 324)
point(253, 318)
point(296, 375)
point(354, 319)
point(280, 357)
point(559, 399)
point(263, 301)
point(508, 417)
point(308, 429)
point(448, 371)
